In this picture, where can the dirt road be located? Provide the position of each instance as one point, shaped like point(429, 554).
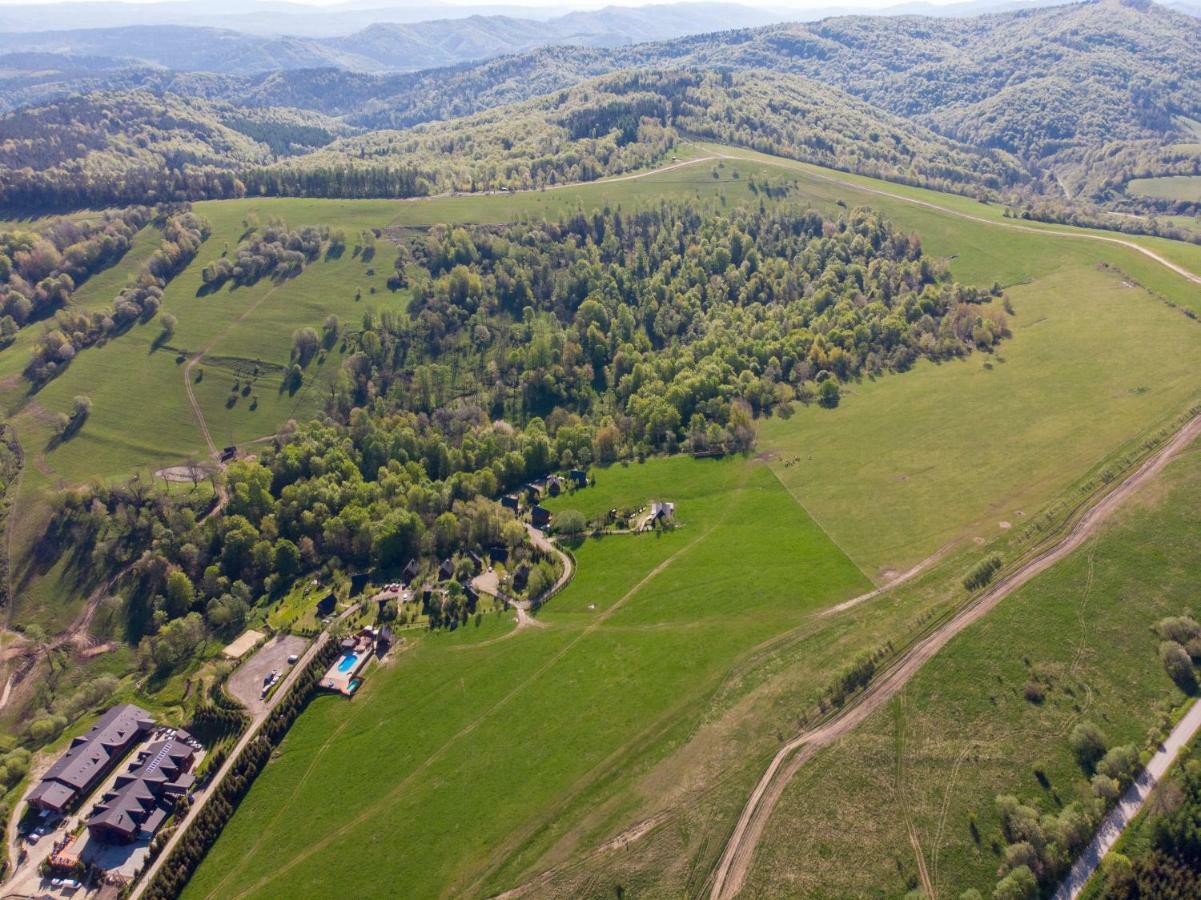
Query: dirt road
point(1128, 807)
point(1012, 226)
point(736, 859)
point(546, 545)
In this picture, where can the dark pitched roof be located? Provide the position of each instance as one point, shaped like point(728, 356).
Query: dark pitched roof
point(92, 753)
point(52, 794)
point(134, 802)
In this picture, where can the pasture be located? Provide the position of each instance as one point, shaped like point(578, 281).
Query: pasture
point(963, 730)
point(1167, 187)
point(473, 750)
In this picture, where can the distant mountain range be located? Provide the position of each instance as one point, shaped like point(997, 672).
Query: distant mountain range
point(265, 17)
point(380, 47)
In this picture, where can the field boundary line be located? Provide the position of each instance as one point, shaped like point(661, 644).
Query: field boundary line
point(821, 527)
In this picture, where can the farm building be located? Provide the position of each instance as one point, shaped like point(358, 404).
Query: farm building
point(142, 797)
point(579, 478)
point(91, 757)
point(498, 553)
point(540, 517)
point(446, 571)
point(510, 501)
point(554, 486)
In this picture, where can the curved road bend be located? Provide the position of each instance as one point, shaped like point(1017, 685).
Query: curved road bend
point(1128, 807)
point(736, 859)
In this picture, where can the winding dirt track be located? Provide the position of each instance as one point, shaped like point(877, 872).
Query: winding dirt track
point(736, 859)
point(1012, 226)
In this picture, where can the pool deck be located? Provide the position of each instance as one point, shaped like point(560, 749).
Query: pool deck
point(342, 680)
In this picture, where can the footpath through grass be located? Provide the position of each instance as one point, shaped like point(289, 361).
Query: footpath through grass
point(467, 754)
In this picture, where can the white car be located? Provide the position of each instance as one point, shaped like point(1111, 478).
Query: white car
point(292, 659)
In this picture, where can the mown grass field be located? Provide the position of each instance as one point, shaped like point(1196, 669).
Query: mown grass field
point(473, 750)
point(1167, 187)
point(962, 731)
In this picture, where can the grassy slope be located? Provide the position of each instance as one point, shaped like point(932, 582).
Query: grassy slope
point(1168, 187)
point(456, 755)
point(962, 731)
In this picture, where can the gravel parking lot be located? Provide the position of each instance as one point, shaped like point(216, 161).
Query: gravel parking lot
point(246, 683)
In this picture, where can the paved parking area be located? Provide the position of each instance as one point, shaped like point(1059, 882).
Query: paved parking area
point(246, 683)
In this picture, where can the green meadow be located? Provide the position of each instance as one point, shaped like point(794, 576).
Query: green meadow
point(1167, 187)
point(471, 752)
point(962, 731)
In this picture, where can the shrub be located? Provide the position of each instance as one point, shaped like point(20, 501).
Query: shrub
point(1017, 885)
point(1088, 744)
point(1180, 629)
point(1178, 665)
point(983, 573)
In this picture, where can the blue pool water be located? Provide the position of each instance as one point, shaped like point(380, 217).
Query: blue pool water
point(347, 662)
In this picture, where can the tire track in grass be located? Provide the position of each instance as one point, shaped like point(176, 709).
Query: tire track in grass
point(192, 363)
point(387, 799)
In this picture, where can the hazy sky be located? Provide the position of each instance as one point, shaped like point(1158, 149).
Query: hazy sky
point(569, 4)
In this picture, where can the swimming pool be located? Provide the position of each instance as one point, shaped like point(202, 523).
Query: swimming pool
point(348, 662)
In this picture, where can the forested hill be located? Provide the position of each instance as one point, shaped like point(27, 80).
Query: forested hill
point(628, 120)
point(1042, 84)
point(112, 148)
point(1085, 96)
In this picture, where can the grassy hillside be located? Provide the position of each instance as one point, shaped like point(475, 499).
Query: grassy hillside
point(963, 731)
point(639, 640)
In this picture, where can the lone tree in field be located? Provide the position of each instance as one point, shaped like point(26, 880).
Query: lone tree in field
point(1178, 665)
point(305, 345)
point(570, 522)
point(1089, 745)
point(168, 322)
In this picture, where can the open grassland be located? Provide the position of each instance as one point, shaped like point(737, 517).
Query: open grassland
point(1168, 187)
point(484, 750)
point(970, 448)
point(963, 731)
